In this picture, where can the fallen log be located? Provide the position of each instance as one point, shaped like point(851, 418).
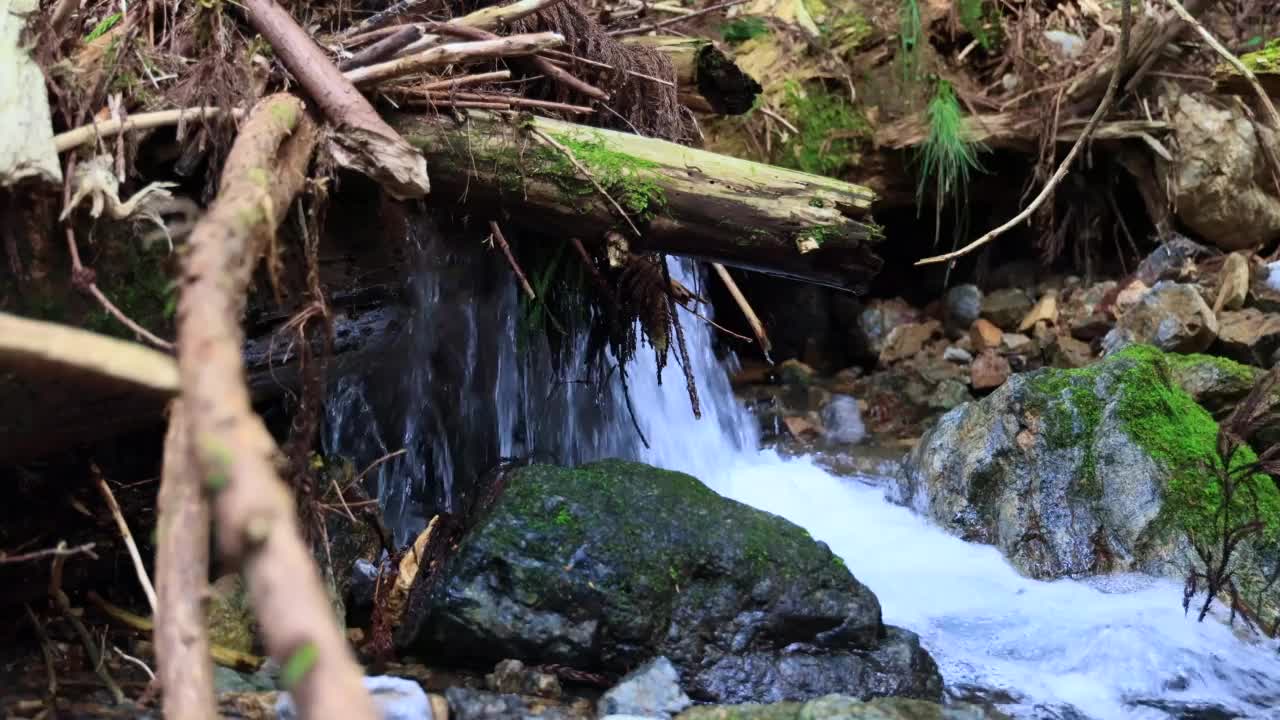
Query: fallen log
point(682, 200)
point(1016, 132)
point(710, 82)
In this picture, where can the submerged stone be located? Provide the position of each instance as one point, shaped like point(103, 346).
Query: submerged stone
point(603, 567)
point(838, 707)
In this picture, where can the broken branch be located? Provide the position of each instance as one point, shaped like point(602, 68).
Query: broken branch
point(509, 46)
point(236, 456)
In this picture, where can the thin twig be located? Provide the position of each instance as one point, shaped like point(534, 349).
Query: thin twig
point(766, 111)
point(145, 668)
point(143, 579)
point(753, 320)
point(464, 80)
point(674, 20)
point(46, 649)
point(60, 550)
point(1061, 172)
point(63, 604)
point(501, 241)
point(76, 137)
point(1230, 58)
point(587, 174)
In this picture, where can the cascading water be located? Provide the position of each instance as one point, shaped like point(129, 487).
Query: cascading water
point(1117, 647)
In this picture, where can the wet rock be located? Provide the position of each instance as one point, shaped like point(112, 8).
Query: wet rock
point(468, 704)
point(1006, 308)
point(843, 421)
point(804, 429)
point(1249, 336)
point(397, 698)
point(960, 307)
point(989, 370)
point(985, 335)
point(957, 355)
point(1084, 314)
point(908, 340)
point(1171, 317)
point(651, 691)
point(592, 568)
point(837, 707)
point(1220, 183)
point(948, 394)
point(877, 320)
point(794, 372)
point(511, 676)
point(1174, 260)
point(1071, 472)
point(1129, 296)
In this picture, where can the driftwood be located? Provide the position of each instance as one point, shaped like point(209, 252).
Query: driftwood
point(685, 201)
point(709, 80)
point(236, 456)
point(363, 142)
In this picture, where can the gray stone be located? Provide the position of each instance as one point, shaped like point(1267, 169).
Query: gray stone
point(961, 306)
point(397, 698)
point(876, 321)
point(1172, 317)
point(839, 707)
point(957, 355)
point(611, 564)
point(843, 421)
point(651, 691)
point(468, 704)
point(1249, 336)
point(1174, 260)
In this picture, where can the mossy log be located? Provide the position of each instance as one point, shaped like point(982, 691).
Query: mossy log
point(710, 82)
point(682, 200)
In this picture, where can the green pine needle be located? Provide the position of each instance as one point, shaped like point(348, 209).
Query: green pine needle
point(947, 156)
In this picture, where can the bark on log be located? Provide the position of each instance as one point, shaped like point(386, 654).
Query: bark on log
point(257, 528)
point(685, 201)
point(182, 575)
point(363, 141)
point(710, 82)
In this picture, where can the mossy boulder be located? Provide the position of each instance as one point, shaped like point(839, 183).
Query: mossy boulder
point(1073, 472)
point(605, 566)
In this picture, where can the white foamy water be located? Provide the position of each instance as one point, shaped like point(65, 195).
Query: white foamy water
point(1118, 648)
point(1065, 650)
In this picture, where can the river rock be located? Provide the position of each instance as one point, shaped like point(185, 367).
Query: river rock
point(511, 676)
point(877, 320)
point(989, 370)
point(1220, 181)
point(1175, 259)
point(1084, 313)
point(605, 566)
point(1249, 336)
point(985, 335)
point(1006, 308)
point(794, 372)
point(961, 306)
point(231, 620)
point(837, 707)
point(908, 340)
point(842, 420)
point(1172, 317)
point(1068, 352)
point(469, 704)
point(1233, 282)
point(1067, 471)
point(651, 691)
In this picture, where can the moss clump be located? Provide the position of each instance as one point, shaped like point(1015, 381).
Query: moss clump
point(1162, 419)
point(982, 20)
point(743, 29)
point(833, 133)
point(1266, 60)
point(138, 283)
point(628, 180)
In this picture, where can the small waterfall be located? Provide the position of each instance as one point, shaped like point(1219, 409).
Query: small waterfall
point(465, 393)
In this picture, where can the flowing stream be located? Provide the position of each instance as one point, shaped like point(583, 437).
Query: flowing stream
point(1118, 647)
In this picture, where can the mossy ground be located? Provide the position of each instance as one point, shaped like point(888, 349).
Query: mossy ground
point(1266, 60)
point(1164, 421)
point(833, 132)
